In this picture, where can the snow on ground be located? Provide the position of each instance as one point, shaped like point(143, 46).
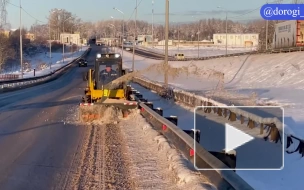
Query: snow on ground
point(152, 162)
point(41, 62)
point(195, 51)
point(288, 178)
point(155, 156)
point(276, 78)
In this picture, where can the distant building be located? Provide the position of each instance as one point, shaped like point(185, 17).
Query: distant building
point(6, 33)
point(107, 41)
point(163, 42)
point(288, 34)
point(70, 39)
point(30, 36)
point(144, 38)
point(236, 40)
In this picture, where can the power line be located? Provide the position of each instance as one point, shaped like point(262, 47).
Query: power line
point(254, 10)
point(25, 12)
point(32, 16)
point(134, 10)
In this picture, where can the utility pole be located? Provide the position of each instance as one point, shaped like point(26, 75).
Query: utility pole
point(63, 42)
point(123, 30)
point(198, 47)
point(50, 45)
point(178, 38)
point(35, 28)
point(266, 38)
point(152, 23)
point(266, 34)
point(166, 42)
point(226, 33)
point(135, 34)
point(21, 52)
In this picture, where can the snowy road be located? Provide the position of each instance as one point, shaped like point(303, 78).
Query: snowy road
point(44, 148)
point(37, 143)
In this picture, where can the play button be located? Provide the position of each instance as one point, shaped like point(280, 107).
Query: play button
point(235, 138)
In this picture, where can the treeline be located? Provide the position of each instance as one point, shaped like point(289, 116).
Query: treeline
point(64, 21)
point(186, 31)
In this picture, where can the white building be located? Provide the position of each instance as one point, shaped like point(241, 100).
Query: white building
point(163, 42)
point(70, 39)
point(288, 34)
point(236, 40)
point(144, 38)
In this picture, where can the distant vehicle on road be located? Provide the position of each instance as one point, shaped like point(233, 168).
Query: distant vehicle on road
point(82, 63)
point(128, 45)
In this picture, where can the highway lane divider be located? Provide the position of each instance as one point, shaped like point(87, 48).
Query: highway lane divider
point(270, 128)
point(16, 84)
point(183, 140)
point(157, 56)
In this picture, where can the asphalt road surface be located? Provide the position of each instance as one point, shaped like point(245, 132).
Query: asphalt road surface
point(41, 150)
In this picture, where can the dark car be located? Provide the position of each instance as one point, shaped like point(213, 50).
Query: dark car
point(83, 63)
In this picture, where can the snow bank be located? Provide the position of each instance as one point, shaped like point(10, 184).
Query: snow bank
point(152, 150)
point(41, 63)
point(193, 51)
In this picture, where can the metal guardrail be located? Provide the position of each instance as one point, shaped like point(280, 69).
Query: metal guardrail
point(158, 56)
point(224, 179)
point(272, 126)
point(19, 83)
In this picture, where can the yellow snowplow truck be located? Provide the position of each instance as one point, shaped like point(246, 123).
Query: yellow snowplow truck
point(105, 88)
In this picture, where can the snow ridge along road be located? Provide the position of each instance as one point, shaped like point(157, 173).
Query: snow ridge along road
point(152, 54)
point(16, 84)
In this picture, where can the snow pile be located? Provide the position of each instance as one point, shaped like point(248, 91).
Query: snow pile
point(152, 150)
point(193, 52)
point(41, 63)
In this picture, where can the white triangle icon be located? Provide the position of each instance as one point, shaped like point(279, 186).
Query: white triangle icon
point(235, 138)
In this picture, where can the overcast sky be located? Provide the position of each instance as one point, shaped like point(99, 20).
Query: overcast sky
point(93, 10)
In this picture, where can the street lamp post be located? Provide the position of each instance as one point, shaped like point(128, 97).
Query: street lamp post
point(123, 30)
point(178, 37)
point(166, 42)
point(21, 52)
point(50, 45)
point(152, 23)
point(63, 38)
point(198, 44)
point(114, 29)
point(135, 34)
point(114, 37)
point(226, 34)
point(226, 12)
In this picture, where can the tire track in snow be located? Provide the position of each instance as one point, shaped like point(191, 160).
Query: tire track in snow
point(103, 163)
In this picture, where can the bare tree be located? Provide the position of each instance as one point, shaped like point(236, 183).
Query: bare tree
point(15, 40)
point(61, 21)
point(6, 52)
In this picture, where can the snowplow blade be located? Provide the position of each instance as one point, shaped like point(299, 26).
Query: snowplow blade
point(94, 111)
